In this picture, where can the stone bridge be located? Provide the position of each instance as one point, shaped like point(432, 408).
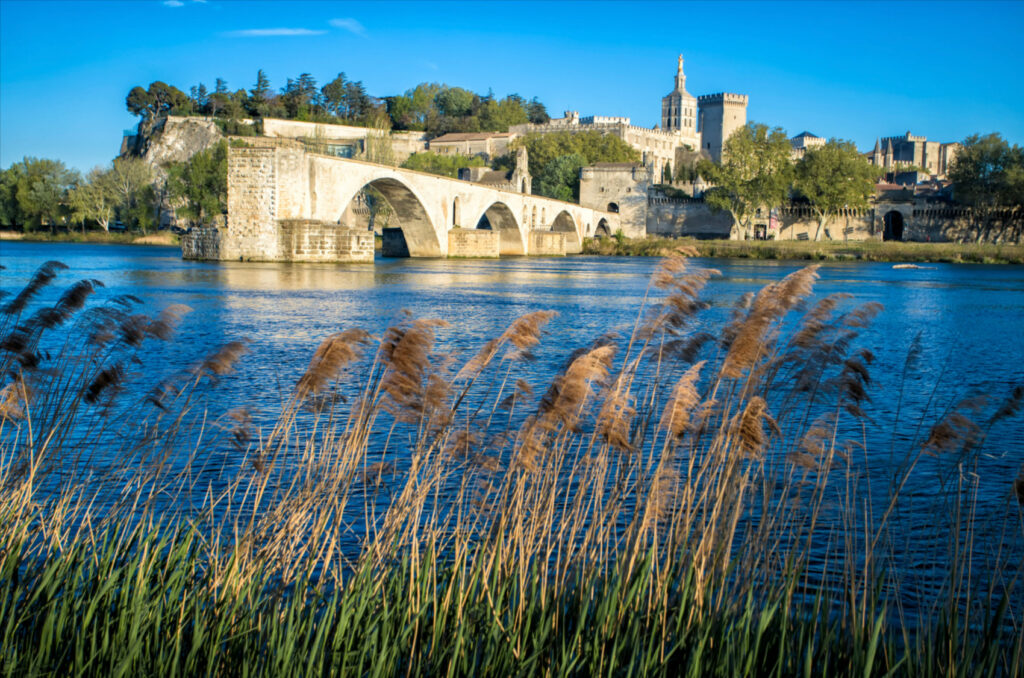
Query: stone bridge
point(287, 204)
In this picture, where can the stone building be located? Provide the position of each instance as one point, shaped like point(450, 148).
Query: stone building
point(517, 181)
point(620, 188)
point(684, 119)
point(804, 141)
point(912, 150)
point(489, 145)
point(718, 116)
point(679, 110)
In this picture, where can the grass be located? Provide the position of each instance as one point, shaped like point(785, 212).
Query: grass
point(675, 502)
point(867, 250)
point(96, 236)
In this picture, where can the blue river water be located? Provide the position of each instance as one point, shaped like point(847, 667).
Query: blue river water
point(970, 320)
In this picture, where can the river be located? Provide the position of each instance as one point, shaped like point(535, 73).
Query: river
point(970, 319)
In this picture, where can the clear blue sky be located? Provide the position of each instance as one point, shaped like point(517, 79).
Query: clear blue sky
point(853, 70)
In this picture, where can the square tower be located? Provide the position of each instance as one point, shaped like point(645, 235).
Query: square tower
point(719, 115)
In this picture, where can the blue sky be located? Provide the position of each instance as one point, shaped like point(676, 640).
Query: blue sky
point(853, 70)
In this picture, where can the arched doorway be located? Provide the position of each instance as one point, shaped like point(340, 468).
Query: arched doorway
point(455, 212)
point(409, 230)
point(893, 221)
point(498, 217)
point(602, 230)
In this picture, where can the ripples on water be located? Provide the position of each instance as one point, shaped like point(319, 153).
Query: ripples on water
point(970, 319)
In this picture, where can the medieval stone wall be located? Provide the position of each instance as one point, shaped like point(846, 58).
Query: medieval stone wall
point(474, 243)
point(675, 218)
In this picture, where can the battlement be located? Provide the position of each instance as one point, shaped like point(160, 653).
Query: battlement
point(723, 98)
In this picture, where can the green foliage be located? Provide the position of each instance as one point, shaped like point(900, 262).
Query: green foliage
point(438, 109)
point(94, 199)
point(444, 164)
point(237, 128)
point(833, 177)
point(558, 181)
point(430, 107)
point(755, 173)
point(34, 192)
point(159, 99)
point(198, 188)
point(987, 172)
point(559, 178)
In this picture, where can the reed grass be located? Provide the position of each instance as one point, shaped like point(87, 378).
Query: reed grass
point(675, 502)
point(861, 250)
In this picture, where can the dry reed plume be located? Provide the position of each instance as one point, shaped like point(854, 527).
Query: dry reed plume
point(676, 501)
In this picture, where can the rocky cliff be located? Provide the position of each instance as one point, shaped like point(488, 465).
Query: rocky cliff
point(172, 139)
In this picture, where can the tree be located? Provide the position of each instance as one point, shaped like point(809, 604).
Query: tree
point(35, 191)
point(159, 99)
point(124, 189)
point(592, 146)
point(10, 210)
point(833, 177)
point(258, 95)
point(94, 199)
point(988, 175)
point(560, 178)
point(754, 174)
point(199, 188)
point(536, 113)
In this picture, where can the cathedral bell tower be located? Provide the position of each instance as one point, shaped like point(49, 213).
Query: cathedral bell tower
point(679, 107)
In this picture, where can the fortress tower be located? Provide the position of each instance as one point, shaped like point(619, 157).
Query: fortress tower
point(679, 107)
point(719, 115)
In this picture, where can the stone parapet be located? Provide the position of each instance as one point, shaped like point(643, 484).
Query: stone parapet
point(473, 243)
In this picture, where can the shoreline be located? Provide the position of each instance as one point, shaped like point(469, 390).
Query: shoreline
point(798, 250)
point(93, 238)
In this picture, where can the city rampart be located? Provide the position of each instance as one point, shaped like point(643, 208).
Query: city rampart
point(679, 217)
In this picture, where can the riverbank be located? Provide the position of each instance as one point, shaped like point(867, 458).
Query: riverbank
point(873, 250)
point(94, 237)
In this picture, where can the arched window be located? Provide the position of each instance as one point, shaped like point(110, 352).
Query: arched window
point(455, 211)
point(613, 207)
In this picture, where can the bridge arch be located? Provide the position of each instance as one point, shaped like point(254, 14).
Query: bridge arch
point(564, 223)
point(498, 217)
point(411, 221)
point(602, 230)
